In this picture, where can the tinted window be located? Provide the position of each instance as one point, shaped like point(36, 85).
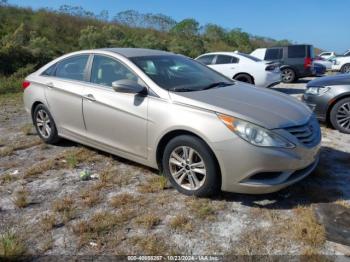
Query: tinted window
point(106, 70)
point(72, 68)
point(50, 71)
point(178, 73)
point(273, 54)
point(207, 59)
point(296, 51)
point(225, 59)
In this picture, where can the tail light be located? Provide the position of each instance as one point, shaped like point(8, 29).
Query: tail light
point(25, 84)
point(307, 62)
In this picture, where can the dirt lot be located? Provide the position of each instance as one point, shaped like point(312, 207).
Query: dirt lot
point(45, 208)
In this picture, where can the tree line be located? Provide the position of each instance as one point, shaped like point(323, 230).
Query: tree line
point(30, 38)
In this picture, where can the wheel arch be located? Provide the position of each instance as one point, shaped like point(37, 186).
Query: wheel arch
point(34, 105)
point(174, 133)
point(244, 73)
point(344, 65)
point(332, 104)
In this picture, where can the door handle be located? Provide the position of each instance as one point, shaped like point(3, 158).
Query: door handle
point(89, 97)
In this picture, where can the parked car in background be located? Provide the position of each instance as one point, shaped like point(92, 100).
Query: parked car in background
point(329, 98)
point(342, 64)
point(204, 131)
point(328, 63)
point(243, 67)
point(320, 69)
point(327, 55)
point(296, 60)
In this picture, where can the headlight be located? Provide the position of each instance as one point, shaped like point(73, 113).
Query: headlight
point(254, 134)
point(316, 90)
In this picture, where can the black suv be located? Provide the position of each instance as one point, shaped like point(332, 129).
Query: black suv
point(296, 60)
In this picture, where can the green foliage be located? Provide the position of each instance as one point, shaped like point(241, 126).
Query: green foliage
point(29, 39)
point(13, 83)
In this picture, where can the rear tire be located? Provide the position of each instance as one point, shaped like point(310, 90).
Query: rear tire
point(45, 125)
point(340, 115)
point(244, 78)
point(191, 167)
point(288, 75)
point(345, 69)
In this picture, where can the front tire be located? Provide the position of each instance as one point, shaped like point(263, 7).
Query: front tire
point(340, 115)
point(191, 167)
point(345, 69)
point(288, 75)
point(45, 125)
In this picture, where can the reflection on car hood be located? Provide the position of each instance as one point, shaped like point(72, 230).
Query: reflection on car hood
point(267, 108)
point(343, 79)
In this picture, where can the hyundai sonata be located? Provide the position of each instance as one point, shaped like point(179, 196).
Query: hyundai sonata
point(204, 131)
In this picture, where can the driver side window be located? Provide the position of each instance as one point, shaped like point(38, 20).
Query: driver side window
point(106, 70)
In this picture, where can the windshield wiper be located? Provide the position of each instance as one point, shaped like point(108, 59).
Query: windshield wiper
point(217, 84)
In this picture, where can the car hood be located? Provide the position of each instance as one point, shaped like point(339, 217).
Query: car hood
point(267, 108)
point(331, 80)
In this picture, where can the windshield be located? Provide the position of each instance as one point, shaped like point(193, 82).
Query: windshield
point(255, 59)
point(181, 74)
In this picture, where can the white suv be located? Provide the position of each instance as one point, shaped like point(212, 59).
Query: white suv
point(243, 67)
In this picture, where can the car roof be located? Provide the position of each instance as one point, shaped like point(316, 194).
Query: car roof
point(136, 52)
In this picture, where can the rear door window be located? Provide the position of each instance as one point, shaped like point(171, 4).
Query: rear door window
point(72, 68)
point(273, 54)
point(206, 60)
point(225, 59)
point(296, 51)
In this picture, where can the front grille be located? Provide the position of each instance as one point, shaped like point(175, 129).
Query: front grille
point(308, 134)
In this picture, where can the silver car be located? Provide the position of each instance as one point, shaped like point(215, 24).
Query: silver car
point(204, 131)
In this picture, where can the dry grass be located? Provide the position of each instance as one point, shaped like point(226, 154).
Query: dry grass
point(65, 207)
point(252, 242)
point(154, 184)
point(148, 221)
point(90, 197)
point(305, 228)
point(28, 129)
point(11, 246)
point(40, 167)
point(6, 151)
point(20, 198)
point(343, 203)
point(181, 222)
point(150, 245)
point(101, 226)
point(123, 199)
point(7, 178)
point(48, 222)
point(204, 208)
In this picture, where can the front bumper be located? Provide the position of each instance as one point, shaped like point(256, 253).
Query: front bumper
point(241, 163)
point(271, 79)
point(318, 104)
point(336, 67)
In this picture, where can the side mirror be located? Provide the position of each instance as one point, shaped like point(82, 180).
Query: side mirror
point(128, 86)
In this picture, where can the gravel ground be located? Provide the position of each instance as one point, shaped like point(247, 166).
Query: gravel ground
point(126, 208)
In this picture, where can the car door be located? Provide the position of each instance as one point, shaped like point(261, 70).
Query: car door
point(64, 88)
point(226, 65)
point(115, 119)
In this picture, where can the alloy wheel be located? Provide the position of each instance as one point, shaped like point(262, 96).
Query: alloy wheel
point(343, 116)
point(287, 75)
point(43, 123)
point(346, 69)
point(187, 168)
